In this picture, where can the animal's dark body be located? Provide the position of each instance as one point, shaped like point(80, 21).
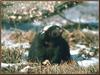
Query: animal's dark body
point(50, 45)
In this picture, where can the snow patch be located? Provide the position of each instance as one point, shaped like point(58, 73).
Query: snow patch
point(25, 69)
point(9, 44)
point(81, 60)
point(4, 65)
point(25, 56)
point(37, 23)
point(91, 31)
point(74, 52)
point(87, 63)
point(80, 46)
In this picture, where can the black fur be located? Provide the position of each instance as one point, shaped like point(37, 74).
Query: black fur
point(51, 46)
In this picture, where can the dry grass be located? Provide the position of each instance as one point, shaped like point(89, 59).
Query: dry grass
point(11, 55)
point(86, 38)
point(92, 39)
point(21, 36)
point(14, 56)
point(64, 69)
point(37, 68)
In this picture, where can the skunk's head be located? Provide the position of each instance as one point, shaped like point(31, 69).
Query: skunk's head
point(53, 31)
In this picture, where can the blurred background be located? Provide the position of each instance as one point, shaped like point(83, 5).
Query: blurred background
point(22, 20)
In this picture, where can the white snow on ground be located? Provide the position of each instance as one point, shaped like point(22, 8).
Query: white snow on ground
point(90, 31)
point(74, 52)
point(4, 65)
point(5, 40)
point(86, 63)
point(83, 63)
point(37, 23)
point(25, 69)
point(10, 44)
point(25, 56)
point(80, 46)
